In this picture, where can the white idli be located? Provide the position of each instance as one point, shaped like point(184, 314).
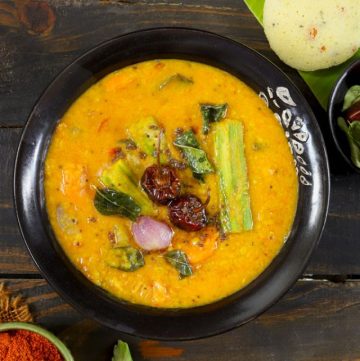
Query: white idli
point(313, 34)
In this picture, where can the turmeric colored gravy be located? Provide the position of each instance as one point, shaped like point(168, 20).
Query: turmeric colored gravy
point(83, 146)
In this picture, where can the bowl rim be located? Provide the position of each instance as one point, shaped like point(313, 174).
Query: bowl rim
point(334, 128)
point(287, 280)
point(60, 346)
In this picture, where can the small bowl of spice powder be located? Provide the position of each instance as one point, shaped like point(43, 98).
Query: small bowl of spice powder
point(21, 341)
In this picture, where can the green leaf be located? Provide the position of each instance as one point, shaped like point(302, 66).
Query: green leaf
point(342, 125)
point(212, 113)
point(175, 78)
point(187, 138)
point(127, 259)
point(195, 156)
point(354, 132)
point(179, 260)
point(110, 202)
point(121, 352)
point(257, 8)
point(352, 96)
point(353, 135)
point(197, 159)
point(321, 82)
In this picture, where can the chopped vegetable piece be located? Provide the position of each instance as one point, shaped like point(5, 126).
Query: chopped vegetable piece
point(126, 259)
point(212, 113)
point(121, 236)
point(161, 183)
point(195, 156)
point(119, 176)
point(151, 234)
point(67, 223)
point(175, 78)
point(235, 212)
point(188, 213)
point(179, 260)
point(110, 202)
point(353, 135)
point(146, 134)
point(121, 352)
point(352, 96)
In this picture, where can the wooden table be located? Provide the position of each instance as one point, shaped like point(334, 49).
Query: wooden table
point(318, 319)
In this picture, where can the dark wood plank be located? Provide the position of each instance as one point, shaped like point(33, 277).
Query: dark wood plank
point(316, 320)
point(337, 252)
point(52, 36)
point(13, 255)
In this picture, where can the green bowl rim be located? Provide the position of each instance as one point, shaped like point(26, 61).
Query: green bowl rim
point(65, 352)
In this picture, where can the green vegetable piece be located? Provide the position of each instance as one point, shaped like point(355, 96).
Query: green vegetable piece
point(145, 134)
point(235, 211)
point(195, 156)
point(175, 78)
point(212, 113)
point(353, 135)
point(354, 131)
point(352, 96)
point(121, 352)
point(120, 177)
point(121, 235)
point(179, 260)
point(127, 259)
point(110, 202)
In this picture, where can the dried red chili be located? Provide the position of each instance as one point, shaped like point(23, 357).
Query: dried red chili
point(23, 345)
point(161, 183)
point(188, 213)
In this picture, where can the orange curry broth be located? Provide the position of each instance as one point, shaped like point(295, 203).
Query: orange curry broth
point(80, 150)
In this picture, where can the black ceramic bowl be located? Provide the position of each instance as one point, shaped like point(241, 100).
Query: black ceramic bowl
point(350, 77)
point(299, 125)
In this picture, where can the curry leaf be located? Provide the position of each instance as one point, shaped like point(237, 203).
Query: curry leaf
point(351, 97)
point(195, 156)
point(197, 159)
point(121, 352)
point(187, 138)
point(110, 202)
point(127, 259)
point(353, 135)
point(179, 260)
point(212, 113)
point(175, 78)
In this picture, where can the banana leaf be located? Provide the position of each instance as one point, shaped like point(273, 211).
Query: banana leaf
point(321, 82)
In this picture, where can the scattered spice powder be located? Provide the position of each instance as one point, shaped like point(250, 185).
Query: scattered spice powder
point(23, 345)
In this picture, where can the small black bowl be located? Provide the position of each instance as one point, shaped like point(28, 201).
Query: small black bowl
point(292, 112)
point(350, 77)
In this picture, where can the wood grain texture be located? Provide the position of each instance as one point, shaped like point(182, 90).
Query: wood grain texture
point(316, 320)
point(337, 253)
point(13, 255)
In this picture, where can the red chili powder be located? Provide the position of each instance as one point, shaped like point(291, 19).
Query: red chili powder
point(22, 345)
